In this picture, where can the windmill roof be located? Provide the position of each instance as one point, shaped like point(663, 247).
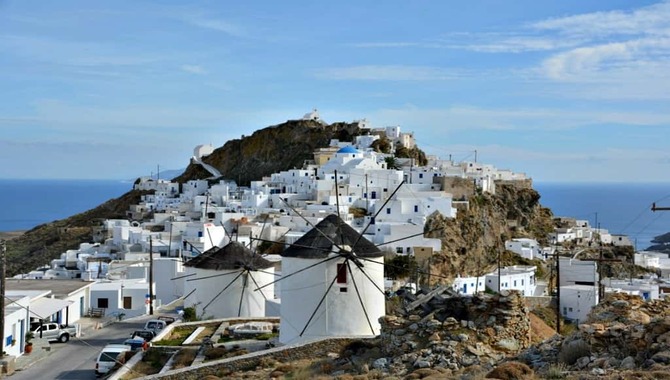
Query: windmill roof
point(232, 256)
point(317, 243)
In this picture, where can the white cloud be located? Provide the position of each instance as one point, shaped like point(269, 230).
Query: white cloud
point(218, 25)
point(194, 69)
point(388, 73)
point(653, 19)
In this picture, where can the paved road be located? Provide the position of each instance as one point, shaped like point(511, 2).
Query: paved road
point(76, 359)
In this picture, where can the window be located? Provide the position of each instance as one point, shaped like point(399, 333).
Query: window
point(388, 210)
point(570, 309)
point(398, 250)
point(416, 208)
point(341, 273)
point(514, 282)
point(127, 302)
point(103, 303)
point(522, 282)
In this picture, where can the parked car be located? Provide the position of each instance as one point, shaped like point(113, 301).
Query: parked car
point(52, 331)
point(109, 357)
point(167, 319)
point(144, 334)
point(136, 344)
point(155, 325)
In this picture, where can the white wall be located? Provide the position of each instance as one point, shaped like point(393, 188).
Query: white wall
point(341, 313)
point(16, 326)
point(577, 301)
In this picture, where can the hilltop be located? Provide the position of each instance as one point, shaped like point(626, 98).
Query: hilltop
point(478, 233)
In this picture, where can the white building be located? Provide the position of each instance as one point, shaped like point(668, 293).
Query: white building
point(524, 247)
point(62, 301)
point(516, 277)
point(17, 324)
point(129, 297)
point(339, 295)
point(469, 285)
point(577, 301)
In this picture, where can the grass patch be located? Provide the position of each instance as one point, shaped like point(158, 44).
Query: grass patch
point(152, 362)
point(176, 337)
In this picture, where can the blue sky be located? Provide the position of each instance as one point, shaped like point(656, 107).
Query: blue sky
point(564, 91)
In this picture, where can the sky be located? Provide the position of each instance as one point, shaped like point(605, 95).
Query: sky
point(565, 91)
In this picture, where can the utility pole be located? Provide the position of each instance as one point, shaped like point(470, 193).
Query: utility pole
point(3, 250)
point(558, 293)
point(151, 277)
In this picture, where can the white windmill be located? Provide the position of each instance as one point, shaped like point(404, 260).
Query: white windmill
point(332, 284)
point(220, 282)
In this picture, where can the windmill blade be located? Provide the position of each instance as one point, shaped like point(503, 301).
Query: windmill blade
point(262, 271)
point(229, 236)
point(244, 286)
point(256, 283)
point(191, 292)
point(396, 266)
point(211, 241)
point(358, 294)
point(370, 278)
point(222, 290)
point(184, 276)
point(411, 236)
point(325, 294)
point(311, 224)
point(298, 271)
point(377, 213)
point(337, 204)
point(214, 275)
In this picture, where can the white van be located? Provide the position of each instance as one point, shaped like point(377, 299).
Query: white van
point(109, 356)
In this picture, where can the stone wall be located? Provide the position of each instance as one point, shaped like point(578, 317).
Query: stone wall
point(456, 331)
point(309, 350)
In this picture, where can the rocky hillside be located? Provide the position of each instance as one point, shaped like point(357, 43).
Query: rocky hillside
point(47, 241)
point(270, 150)
point(472, 242)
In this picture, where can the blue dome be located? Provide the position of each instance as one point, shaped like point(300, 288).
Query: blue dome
point(348, 149)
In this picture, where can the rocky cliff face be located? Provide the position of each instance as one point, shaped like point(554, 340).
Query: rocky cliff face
point(473, 240)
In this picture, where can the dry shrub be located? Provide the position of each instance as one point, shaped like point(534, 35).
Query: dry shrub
point(267, 362)
point(214, 353)
point(511, 371)
point(301, 373)
point(284, 367)
point(555, 372)
point(211, 377)
point(184, 358)
point(573, 350)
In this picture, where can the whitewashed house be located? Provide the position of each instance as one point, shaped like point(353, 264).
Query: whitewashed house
point(577, 301)
point(222, 282)
point(527, 248)
point(16, 323)
point(515, 277)
point(646, 288)
point(469, 285)
point(127, 296)
point(339, 294)
point(62, 301)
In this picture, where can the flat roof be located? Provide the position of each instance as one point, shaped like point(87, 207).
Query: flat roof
point(59, 288)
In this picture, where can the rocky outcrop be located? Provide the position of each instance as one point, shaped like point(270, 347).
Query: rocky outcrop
point(473, 241)
point(443, 330)
point(270, 150)
point(623, 333)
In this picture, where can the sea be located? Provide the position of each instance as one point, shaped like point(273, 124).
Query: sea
point(621, 208)
point(25, 204)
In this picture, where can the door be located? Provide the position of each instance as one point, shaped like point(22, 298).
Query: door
point(127, 302)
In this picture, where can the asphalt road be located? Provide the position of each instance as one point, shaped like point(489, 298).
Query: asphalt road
point(76, 359)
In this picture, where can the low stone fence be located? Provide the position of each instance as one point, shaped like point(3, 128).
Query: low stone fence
point(307, 350)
